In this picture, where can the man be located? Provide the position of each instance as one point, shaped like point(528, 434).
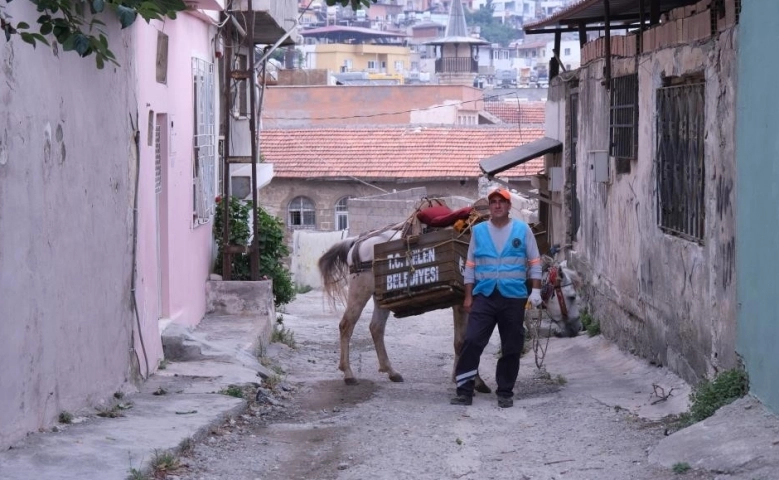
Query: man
point(501, 256)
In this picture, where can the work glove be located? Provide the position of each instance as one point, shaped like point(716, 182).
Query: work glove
point(535, 298)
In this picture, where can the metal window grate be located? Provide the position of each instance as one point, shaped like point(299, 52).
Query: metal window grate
point(680, 160)
point(157, 159)
point(623, 123)
point(204, 169)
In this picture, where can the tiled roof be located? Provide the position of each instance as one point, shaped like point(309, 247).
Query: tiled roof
point(522, 113)
point(403, 152)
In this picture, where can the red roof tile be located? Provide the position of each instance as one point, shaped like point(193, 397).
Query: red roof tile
point(522, 113)
point(393, 152)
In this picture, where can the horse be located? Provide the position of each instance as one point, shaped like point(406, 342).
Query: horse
point(349, 263)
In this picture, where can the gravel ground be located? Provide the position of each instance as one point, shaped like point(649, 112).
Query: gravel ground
point(566, 423)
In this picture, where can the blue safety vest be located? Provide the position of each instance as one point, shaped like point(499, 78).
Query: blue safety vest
point(506, 270)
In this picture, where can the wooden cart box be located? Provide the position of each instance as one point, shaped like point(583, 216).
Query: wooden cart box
point(421, 273)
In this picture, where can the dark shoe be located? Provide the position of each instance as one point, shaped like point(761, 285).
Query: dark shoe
point(505, 402)
point(461, 400)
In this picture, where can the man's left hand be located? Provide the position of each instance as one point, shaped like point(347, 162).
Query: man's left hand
point(535, 297)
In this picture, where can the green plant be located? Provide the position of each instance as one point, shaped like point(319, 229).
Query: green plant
point(233, 391)
point(270, 238)
point(186, 446)
point(164, 462)
point(65, 417)
point(118, 395)
point(681, 467)
point(136, 474)
point(114, 411)
point(561, 380)
point(272, 381)
point(356, 4)
point(75, 24)
point(708, 396)
point(163, 364)
point(303, 288)
point(590, 324)
point(283, 335)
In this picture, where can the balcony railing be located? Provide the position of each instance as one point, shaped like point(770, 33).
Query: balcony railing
point(456, 65)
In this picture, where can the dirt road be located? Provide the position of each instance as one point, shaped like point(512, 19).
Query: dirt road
point(592, 415)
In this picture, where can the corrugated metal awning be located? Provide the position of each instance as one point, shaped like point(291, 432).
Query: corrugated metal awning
point(519, 155)
point(593, 11)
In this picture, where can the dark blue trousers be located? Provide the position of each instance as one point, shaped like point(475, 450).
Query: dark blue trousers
point(486, 312)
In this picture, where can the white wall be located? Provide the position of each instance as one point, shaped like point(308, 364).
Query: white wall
point(67, 170)
point(307, 247)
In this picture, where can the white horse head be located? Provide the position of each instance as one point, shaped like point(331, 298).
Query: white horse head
point(561, 298)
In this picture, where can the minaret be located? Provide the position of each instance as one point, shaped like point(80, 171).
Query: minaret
point(456, 53)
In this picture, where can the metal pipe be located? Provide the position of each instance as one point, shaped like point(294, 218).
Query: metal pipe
point(254, 256)
point(607, 19)
point(640, 44)
point(228, 59)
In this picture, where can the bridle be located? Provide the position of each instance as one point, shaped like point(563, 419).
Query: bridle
point(556, 289)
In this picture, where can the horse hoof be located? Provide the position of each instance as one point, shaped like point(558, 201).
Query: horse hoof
point(350, 381)
point(396, 377)
point(482, 388)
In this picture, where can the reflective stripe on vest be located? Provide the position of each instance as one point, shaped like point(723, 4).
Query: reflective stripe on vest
point(506, 271)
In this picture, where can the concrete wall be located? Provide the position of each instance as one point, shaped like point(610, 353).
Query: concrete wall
point(757, 203)
point(558, 126)
point(275, 197)
point(294, 106)
point(658, 296)
point(67, 169)
point(307, 247)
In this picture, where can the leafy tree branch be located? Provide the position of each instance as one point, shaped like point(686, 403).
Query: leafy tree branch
point(75, 24)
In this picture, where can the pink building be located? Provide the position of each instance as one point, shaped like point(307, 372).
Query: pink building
point(107, 187)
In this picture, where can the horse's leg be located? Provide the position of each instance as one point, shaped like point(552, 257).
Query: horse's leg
point(378, 325)
point(356, 300)
point(460, 324)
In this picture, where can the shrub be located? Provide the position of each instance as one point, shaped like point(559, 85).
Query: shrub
point(273, 250)
point(708, 396)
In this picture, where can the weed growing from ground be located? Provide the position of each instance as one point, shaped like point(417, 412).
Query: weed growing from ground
point(233, 391)
point(709, 395)
point(282, 334)
point(164, 462)
point(681, 467)
point(136, 474)
point(590, 324)
point(65, 417)
point(303, 288)
point(272, 382)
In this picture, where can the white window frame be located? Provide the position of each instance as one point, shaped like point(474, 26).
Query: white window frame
point(342, 213)
point(305, 210)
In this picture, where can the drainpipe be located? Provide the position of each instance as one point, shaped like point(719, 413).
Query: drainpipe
point(607, 18)
point(254, 257)
point(228, 59)
point(641, 19)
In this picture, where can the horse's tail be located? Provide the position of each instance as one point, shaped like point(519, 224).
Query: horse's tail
point(334, 268)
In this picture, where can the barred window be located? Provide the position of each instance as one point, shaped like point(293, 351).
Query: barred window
point(301, 213)
point(204, 143)
point(680, 160)
point(623, 123)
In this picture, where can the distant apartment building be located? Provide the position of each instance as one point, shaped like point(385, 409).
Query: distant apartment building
point(370, 58)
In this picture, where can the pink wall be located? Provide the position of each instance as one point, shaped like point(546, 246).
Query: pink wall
point(185, 250)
